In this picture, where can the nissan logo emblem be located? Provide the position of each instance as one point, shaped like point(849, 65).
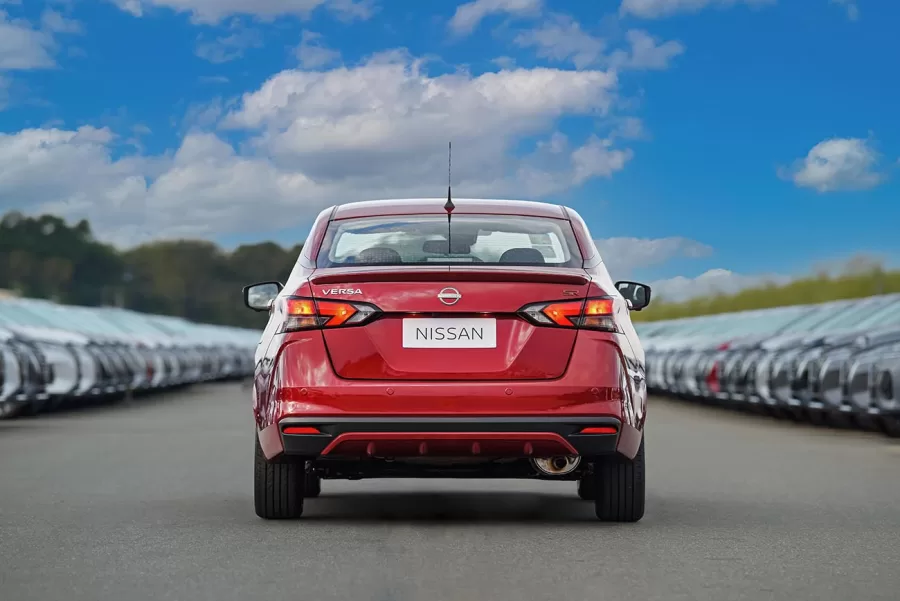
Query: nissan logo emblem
point(449, 296)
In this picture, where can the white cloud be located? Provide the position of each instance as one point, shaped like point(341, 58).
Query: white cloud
point(469, 15)
point(390, 105)
point(85, 180)
point(351, 10)
point(623, 255)
point(229, 47)
point(55, 22)
point(377, 130)
point(22, 46)
point(134, 7)
point(203, 115)
point(312, 53)
point(645, 52)
point(710, 283)
point(25, 47)
point(505, 62)
point(851, 7)
point(214, 11)
point(598, 158)
point(655, 9)
point(837, 164)
point(630, 128)
point(560, 38)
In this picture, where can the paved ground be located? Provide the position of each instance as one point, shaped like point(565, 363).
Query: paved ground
point(153, 502)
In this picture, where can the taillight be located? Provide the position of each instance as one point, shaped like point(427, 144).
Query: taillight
point(589, 314)
point(712, 378)
point(307, 314)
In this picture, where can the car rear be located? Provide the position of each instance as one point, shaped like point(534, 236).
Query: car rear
point(477, 344)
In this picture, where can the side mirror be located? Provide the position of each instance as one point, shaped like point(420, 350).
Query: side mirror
point(635, 293)
point(259, 296)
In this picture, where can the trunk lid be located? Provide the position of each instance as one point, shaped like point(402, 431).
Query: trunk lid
point(472, 334)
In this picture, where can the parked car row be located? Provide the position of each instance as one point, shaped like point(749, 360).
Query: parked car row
point(55, 355)
point(834, 363)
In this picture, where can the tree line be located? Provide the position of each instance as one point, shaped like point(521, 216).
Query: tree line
point(860, 277)
point(46, 257)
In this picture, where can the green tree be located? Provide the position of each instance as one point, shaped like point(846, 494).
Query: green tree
point(857, 281)
point(44, 257)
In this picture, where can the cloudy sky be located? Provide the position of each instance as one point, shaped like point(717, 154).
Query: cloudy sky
point(707, 143)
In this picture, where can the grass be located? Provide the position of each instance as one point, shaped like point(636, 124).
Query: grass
point(815, 289)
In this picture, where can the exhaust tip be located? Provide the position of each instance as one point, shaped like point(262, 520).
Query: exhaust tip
point(557, 466)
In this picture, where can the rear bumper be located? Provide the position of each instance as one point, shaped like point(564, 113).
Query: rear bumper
point(371, 437)
point(498, 418)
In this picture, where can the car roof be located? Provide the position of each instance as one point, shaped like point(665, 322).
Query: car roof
point(435, 206)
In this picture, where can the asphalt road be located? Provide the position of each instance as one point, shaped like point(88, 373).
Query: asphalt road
point(153, 501)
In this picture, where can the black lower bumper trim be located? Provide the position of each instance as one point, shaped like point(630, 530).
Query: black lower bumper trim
point(515, 469)
point(569, 428)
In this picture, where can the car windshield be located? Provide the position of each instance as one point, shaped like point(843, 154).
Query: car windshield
point(818, 318)
point(430, 240)
point(889, 316)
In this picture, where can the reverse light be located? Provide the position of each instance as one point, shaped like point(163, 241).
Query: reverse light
point(308, 314)
point(589, 314)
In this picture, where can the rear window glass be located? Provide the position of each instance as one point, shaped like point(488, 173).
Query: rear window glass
point(428, 240)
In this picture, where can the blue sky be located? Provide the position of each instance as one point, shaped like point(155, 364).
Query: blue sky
point(725, 139)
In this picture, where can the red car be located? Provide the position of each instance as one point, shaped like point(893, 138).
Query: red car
point(465, 338)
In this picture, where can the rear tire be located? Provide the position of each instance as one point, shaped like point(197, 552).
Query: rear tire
point(587, 489)
point(7, 409)
point(620, 488)
point(890, 425)
point(278, 488)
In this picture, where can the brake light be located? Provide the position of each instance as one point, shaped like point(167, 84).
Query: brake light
point(712, 379)
point(590, 314)
point(307, 314)
point(301, 430)
point(600, 430)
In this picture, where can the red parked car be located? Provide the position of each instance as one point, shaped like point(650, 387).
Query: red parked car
point(465, 338)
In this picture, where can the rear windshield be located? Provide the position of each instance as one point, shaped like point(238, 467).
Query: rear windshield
point(429, 240)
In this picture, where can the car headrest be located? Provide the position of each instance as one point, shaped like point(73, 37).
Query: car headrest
point(522, 255)
point(439, 247)
point(379, 255)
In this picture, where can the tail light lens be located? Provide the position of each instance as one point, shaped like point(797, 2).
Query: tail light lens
point(712, 378)
point(588, 314)
point(310, 314)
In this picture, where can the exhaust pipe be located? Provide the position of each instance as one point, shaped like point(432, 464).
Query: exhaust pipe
point(556, 466)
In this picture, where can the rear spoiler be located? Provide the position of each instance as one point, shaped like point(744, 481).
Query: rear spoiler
point(344, 275)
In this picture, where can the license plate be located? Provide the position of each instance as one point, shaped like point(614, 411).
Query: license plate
point(463, 332)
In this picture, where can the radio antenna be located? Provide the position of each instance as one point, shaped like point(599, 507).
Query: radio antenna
point(449, 206)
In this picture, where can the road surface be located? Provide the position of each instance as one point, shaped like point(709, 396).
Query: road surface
point(153, 501)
